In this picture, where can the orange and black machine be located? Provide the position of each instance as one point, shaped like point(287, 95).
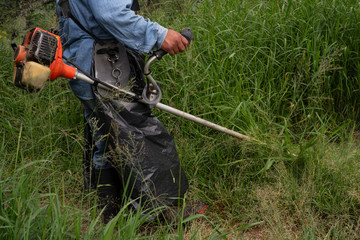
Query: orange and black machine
point(39, 59)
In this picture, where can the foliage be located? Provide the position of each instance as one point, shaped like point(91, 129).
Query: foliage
point(283, 72)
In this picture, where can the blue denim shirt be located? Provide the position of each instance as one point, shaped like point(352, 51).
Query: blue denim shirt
point(106, 19)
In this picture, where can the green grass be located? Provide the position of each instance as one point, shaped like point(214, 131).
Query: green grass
point(283, 72)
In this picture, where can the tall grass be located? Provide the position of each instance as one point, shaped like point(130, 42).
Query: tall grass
point(279, 71)
point(283, 72)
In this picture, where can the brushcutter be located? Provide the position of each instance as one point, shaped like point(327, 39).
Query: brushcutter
point(39, 59)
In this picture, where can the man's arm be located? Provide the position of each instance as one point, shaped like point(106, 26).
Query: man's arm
point(116, 17)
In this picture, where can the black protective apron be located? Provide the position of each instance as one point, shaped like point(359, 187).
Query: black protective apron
point(142, 151)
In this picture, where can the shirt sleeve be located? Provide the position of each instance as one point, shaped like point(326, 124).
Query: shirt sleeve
point(134, 31)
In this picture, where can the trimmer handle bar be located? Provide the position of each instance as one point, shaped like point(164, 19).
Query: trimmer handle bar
point(186, 32)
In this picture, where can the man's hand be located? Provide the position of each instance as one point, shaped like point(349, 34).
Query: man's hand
point(174, 43)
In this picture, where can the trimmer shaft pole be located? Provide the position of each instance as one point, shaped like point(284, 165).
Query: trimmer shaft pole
point(169, 109)
point(201, 121)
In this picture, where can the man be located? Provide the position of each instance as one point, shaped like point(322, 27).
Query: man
point(83, 22)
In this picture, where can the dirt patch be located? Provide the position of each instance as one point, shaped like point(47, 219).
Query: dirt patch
point(256, 233)
point(202, 229)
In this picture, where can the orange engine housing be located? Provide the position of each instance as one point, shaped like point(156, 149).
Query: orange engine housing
point(45, 48)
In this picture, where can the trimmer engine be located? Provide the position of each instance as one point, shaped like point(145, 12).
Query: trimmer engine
point(43, 47)
point(38, 60)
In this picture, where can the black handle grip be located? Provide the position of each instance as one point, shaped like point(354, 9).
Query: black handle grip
point(186, 32)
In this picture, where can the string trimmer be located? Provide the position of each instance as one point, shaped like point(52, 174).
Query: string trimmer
point(39, 59)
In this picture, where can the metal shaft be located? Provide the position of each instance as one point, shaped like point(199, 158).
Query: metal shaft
point(169, 109)
point(201, 121)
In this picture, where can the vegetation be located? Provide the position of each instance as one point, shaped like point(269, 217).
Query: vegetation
point(284, 72)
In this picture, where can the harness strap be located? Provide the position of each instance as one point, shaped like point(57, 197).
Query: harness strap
point(135, 6)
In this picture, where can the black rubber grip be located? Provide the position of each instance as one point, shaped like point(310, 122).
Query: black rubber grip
point(186, 32)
